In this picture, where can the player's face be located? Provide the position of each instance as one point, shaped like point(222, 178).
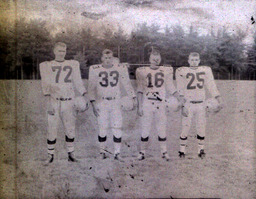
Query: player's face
point(155, 59)
point(60, 53)
point(107, 59)
point(193, 61)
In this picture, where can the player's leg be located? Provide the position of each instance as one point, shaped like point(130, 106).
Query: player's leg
point(145, 122)
point(116, 126)
point(200, 126)
point(186, 124)
point(103, 122)
point(160, 122)
point(53, 122)
point(68, 116)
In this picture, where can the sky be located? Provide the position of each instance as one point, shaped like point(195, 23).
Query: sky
point(206, 15)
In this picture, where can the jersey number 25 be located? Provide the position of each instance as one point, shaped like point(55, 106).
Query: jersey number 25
point(199, 78)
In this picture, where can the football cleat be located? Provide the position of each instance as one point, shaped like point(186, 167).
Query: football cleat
point(165, 156)
point(49, 159)
point(201, 154)
point(104, 156)
point(71, 157)
point(141, 156)
point(117, 157)
point(181, 154)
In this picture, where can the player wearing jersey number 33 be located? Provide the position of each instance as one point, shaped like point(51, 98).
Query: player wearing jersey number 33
point(104, 91)
point(60, 78)
point(192, 83)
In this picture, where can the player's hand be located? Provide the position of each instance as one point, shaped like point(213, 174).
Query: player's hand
point(184, 111)
point(140, 111)
point(50, 109)
point(96, 110)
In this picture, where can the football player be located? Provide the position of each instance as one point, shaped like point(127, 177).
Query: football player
point(192, 83)
point(59, 80)
point(154, 87)
point(105, 81)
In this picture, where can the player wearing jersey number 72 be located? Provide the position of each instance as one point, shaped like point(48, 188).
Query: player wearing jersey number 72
point(59, 80)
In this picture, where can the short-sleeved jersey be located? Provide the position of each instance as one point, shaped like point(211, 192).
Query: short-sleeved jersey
point(106, 82)
point(155, 83)
point(60, 79)
point(192, 82)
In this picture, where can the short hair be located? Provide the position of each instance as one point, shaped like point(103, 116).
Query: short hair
point(107, 52)
point(61, 44)
point(154, 50)
point(194, 54)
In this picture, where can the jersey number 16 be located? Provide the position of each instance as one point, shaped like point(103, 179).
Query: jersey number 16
point(159, 81)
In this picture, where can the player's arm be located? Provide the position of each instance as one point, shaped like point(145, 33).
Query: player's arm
point(212, 88)
point(92, 86)
point(78, 82)
point(211, 85)
point(180, 94)
point(139, 92)
point(46, 85)
point(170, 88)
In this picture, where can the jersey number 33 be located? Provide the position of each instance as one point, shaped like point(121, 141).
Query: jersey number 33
point(107, 79)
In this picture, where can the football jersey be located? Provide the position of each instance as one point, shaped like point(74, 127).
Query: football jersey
point(155, 83)
point(106, 82)
point(60, 79)
point(192, 82)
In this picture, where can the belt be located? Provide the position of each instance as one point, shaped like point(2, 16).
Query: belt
point(63, 99)
point(196, 102)
point(108, 98)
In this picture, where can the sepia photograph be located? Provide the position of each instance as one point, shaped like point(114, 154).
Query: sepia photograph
point(128, 99)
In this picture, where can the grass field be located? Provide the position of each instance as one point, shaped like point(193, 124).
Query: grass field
point(228, 171)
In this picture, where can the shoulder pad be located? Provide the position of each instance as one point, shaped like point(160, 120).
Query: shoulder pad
point(181, 68)
point(74, 61)
point(94, 66)
point(206, 67)
point(124, 65)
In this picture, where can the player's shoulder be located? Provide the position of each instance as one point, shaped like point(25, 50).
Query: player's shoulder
point(166, 68)
point(206, 68)
point(73, 62)
point(44, 63)
point(95, 67)
point(122, 65)
point(182, 69)
point(141, 69)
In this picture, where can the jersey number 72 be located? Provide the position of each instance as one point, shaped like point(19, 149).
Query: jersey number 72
point(59, 69)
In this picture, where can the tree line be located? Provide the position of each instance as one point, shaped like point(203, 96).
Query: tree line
point(28, 43)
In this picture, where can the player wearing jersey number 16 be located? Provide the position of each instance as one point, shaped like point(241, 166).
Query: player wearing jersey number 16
point(154, 87)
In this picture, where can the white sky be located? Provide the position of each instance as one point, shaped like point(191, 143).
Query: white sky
point(205, 14)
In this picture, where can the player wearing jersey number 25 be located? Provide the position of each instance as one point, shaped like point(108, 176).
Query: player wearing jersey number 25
point(192, 83)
